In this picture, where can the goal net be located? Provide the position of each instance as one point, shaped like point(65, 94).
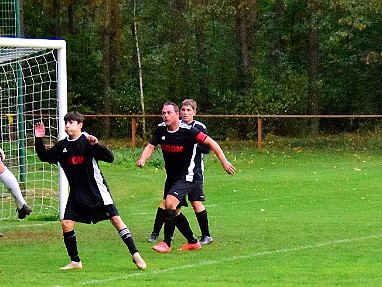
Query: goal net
point(10, 18)
point(32, 89)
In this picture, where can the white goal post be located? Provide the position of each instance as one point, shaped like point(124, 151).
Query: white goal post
point(33, 88)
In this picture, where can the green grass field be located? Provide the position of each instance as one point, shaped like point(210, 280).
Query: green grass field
point(286, 218)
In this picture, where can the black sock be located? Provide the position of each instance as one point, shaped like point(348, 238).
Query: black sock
point(159, 220)
point(203, 222)
point(128, 240)
point(184, 228)
point(169, 226)
point(71, 245)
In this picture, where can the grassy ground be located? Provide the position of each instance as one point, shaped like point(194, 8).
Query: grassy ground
point(287, 218)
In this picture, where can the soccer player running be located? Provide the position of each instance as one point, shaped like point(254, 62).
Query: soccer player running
point(179, 143)
point(11, 183)
point(196, 196)
point(89, 199)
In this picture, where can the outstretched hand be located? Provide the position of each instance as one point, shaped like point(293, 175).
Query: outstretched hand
point(39, 130)
point(229, 168)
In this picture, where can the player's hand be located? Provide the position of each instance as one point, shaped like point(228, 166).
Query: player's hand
point(39, 130)
point(140, 163)
point(92, 139)
point(229, 168)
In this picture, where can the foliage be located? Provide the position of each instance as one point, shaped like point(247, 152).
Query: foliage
point(195, 49)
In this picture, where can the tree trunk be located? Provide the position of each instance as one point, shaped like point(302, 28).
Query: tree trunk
point(56, 18)
point(106, 66)
point(246, 15)
point(277, 45)
point(112, 42)
point(177, 35)
point(313, 65)
point(71, 16)
point(135, 31)
point(203, 97)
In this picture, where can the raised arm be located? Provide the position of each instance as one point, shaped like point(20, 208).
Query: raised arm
point(39, 130)
point(146, 153)
point(43, 154)
point(228, 167)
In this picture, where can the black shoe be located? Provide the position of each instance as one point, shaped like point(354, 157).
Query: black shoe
point(24, 211)
point(205, 240)
point(153, 237)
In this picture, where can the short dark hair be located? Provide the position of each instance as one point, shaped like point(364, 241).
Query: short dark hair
point(74, 116)
point(176, 108)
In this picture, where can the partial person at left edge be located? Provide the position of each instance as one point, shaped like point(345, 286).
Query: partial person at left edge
point(11, 183)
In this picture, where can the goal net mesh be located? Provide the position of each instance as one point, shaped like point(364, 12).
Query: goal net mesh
point(28, 94)
point(9, 18)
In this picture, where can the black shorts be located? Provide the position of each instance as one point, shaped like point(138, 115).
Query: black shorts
point(89, 215)
point(197, 194)
point(181, 188)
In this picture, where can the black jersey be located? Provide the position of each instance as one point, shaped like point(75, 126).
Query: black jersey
point(179, 150)
point(79, 160)
point(200, 151)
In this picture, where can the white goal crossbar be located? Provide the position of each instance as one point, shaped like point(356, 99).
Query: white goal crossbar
point(33, 88)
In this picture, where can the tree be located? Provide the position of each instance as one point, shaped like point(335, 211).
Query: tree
point(313, 63)
point(199, 8)
point(112, 42)
point(246, 13)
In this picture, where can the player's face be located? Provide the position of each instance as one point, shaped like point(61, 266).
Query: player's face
point(73, 129)
point(187, 113)
point(170, 116)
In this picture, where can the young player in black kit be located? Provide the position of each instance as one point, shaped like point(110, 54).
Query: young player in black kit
point(196, 196)
point(89, 199)
point(179, 143)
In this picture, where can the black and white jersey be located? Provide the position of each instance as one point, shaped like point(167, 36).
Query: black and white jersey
point(79, 160)
point(179, 150)
point(200, 151)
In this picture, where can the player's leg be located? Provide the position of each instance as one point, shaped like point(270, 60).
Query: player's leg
point(181, 221)
point(171, 203)
point(196, 197)
point(11, 183)
point(125, 235)
point(183, 225)
point(158, 223)
point(71, 245)
point(202, 217)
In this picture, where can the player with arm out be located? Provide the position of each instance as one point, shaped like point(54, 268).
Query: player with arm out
point(89, 198)
point(196, 197)
point(178, 142)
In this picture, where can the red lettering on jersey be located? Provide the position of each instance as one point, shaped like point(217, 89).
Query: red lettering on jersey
point(172, 148)
point(74, 160)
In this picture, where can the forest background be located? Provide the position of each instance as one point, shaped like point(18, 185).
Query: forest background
point(284, 57)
